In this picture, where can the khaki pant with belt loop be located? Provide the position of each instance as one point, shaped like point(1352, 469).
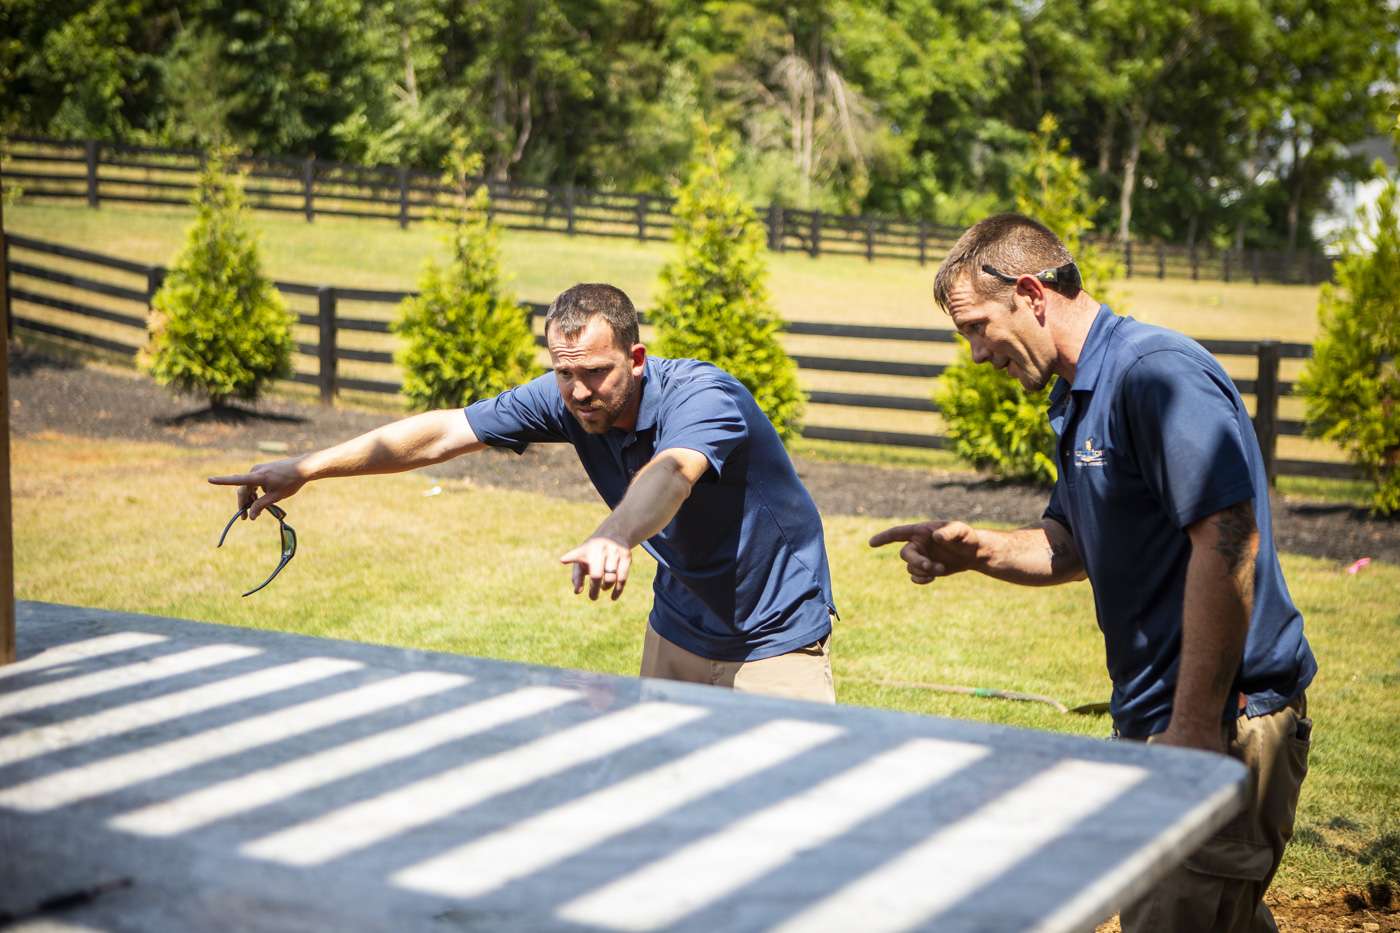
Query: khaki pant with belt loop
point(801, 674)
point(1220, 887)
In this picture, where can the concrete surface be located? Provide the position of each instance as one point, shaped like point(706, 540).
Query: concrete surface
point(159, 774)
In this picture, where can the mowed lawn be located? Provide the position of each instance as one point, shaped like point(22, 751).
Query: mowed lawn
point(132, 527)
point(831, 289)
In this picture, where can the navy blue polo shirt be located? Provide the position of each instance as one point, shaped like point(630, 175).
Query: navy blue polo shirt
point(742, 571)
point(1153, 437)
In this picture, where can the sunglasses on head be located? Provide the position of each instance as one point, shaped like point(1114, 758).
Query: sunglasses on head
point(288, 535)
point(1064, 279)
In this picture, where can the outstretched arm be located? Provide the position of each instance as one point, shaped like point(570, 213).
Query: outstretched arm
point(1214, 623)
point(1038, 555)
point(652, 500)
point(407, 444)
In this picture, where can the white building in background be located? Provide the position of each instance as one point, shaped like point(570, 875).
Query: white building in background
point(1350, 197)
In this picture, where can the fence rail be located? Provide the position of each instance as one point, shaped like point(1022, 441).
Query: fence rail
point(331, 323)
point(96, 172)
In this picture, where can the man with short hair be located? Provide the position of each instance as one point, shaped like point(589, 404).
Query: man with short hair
point(1163, 503)
point(693, 471)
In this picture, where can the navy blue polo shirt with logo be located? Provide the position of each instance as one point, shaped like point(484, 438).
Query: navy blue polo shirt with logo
point(1153, 437)
point(742, 569)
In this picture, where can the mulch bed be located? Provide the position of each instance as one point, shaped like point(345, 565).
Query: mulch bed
point(49, 394)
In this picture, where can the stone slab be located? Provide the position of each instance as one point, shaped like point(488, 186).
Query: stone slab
point(159, 774)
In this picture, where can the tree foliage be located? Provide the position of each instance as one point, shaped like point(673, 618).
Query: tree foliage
point(464, 336)
point(1210, 121)
point(218, 326)
point(1351, 386)
point(994, 423)
point(713, 303)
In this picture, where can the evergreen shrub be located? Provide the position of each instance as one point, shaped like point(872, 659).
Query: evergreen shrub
point(218, 327)
point(713, 303)
point(464, 336)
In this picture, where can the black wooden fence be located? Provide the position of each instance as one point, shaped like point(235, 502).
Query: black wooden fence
point(31, 284)
point(95, 172)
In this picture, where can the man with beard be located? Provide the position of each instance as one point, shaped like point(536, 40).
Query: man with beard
point(693, 471)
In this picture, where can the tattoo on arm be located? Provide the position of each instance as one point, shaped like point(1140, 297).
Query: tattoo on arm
point(1061, 551)
point(1236, 533)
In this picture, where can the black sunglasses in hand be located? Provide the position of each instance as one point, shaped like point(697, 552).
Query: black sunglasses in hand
point(289, 541)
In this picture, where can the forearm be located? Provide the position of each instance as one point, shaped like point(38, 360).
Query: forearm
point(407, 444)
point(652, 500)
point(1215, 621)
point(1038, 555)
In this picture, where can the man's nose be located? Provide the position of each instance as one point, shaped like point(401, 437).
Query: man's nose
point(580, 391)
point(979, 352)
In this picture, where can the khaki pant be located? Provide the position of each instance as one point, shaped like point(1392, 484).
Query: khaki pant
point(801, 674)
point(1221, 886)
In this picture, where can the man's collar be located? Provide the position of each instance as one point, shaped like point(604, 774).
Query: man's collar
point(651, 400)
point(1091, 355)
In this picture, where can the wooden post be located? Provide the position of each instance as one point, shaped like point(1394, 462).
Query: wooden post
point(1225, 265)
point(1128, 258)
point(923, 241)
point(774, 220)
point(1161, 260)
point(642, 201)
point(1254, 265)
point(569, 207)
point(325, 349)
point(91, 149)
point(1266, 405)
point(1195, 263)
point(816, 245)
point(308, 187)
point(870, 241)
point(403, 197)
point(7, 548)
point(155, 278)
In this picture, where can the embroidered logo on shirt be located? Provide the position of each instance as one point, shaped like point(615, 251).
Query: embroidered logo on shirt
point(1090, 456)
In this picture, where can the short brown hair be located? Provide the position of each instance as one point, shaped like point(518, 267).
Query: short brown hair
point(575, 307)
point(1013, 243)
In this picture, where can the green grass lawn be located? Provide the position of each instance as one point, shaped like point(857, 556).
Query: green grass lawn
point(132, 527)
point(850, 290)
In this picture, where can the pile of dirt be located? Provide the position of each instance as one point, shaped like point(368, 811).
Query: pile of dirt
point(49, 394)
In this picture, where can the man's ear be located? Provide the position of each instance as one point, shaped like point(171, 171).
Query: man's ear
point(638, 358)
point(1030, 295)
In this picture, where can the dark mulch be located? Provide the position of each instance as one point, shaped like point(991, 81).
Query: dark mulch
point(52, 395)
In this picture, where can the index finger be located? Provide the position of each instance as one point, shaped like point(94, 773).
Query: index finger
point(237, 479)
point(898, 533)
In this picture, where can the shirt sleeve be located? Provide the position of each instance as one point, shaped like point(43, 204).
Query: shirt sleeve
point(1187, 438)
point(706, 418)
point(530, 413)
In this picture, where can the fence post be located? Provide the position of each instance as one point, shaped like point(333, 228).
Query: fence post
point(91, 147)
point(1225, 265)
point(325, 349)
point(1128, 258)
point(5, 284)
point(308, 182)
point(155, 278)
point(1266, 405)
point(403, 197)
point(923, 241)
point(1161, 260)
point(1195, 263)
point(870, 241)
point(643, 202)
point(816, 245)
point(1254, 265)
point(775, 223)
point(569, 207)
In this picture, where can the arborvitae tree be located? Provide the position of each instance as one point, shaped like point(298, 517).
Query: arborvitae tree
point(218, 326)
point(464, 335)
point(713, 303)
point(1351, 386)
point(993, 421)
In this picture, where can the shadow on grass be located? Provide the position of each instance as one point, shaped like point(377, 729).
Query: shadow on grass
point(233, 415)
point(26, 360)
